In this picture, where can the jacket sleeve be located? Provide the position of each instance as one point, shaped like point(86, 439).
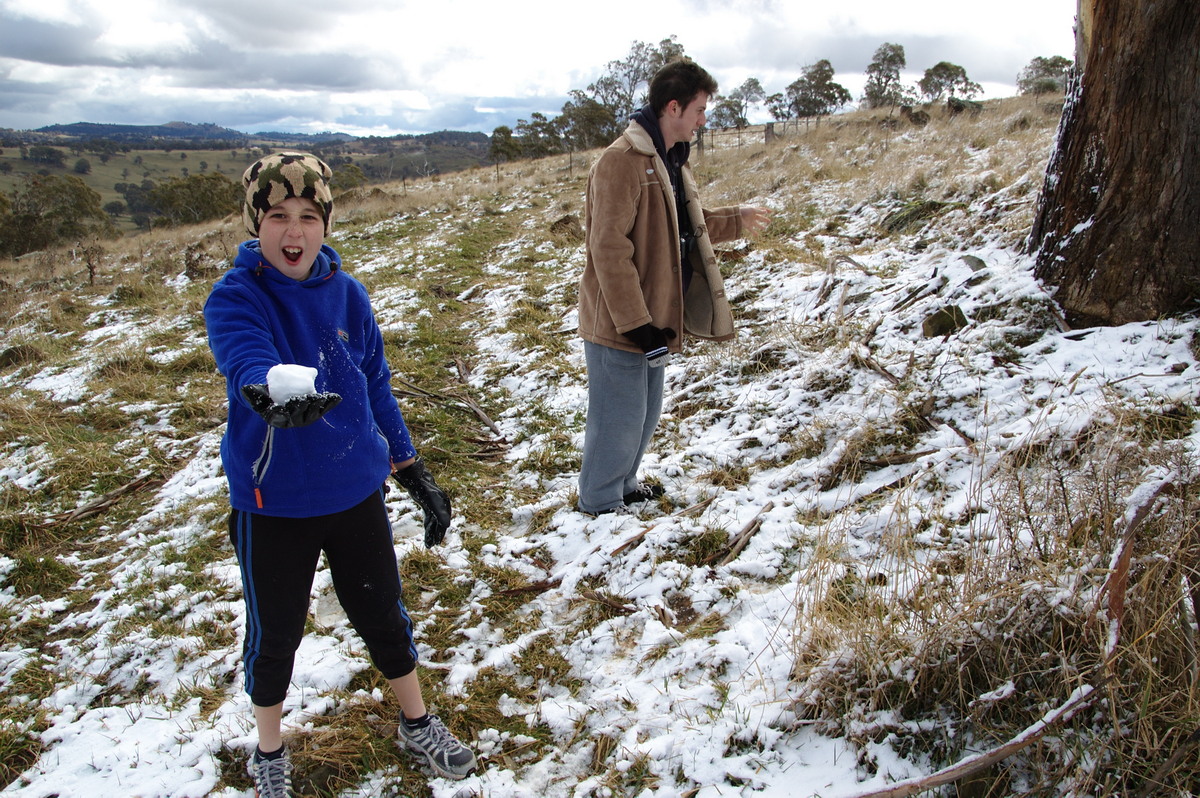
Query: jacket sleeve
point(614, 191)
point(384, 407)
point(239, 338)
point(724, 224)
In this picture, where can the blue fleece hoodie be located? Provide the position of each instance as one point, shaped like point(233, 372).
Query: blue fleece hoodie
point(257, 318)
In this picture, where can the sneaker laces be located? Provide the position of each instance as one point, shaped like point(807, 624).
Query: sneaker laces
point(437, 737)
point(272, 777)
point(436, 740)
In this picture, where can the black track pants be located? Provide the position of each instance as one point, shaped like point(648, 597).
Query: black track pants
point(278, 559)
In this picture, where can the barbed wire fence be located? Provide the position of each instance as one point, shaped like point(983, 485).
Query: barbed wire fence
point(728, 138)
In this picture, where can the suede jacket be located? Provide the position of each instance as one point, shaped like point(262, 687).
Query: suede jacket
point(633, 275)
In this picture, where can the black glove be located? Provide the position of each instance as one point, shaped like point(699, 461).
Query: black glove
point(429, 497)
point(648, 337)
point(299, 411)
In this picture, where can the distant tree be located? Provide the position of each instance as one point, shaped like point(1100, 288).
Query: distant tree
point(723, 115)
point(539, 136)
point(52, 210)
point(812, 94)
point(1115, 228)
point(5, 167)
point(1044, 75)
point(733, 109)
point(83, 167)
point(504, 147)
point(348, 176)
point(41, 153)
point(623, 86)
point(114, 208)
point(945, 78)
point(586, 124)
point(883, 88)
point(195, 198)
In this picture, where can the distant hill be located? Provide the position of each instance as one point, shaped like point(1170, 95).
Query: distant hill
point(142, 133)
point(280, 137)
point(108, 156)
point(183, 132)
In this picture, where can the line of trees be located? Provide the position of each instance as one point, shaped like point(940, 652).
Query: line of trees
point(55, 209)
point(594, 116)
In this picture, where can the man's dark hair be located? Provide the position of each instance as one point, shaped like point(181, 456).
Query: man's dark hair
point(680, 80)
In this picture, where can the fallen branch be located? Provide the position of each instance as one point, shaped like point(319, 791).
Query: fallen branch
point(870, 362)
point(636, 537)
point(899, 458)
point(967, 439)
point(743, 537)
point(608, 601)
point(533, 587)
point(973, 764)
point(1155, 782)
point(453, 400)
point(1118, 576)
point(838, 260)
point(556, 581)
point(101, 504)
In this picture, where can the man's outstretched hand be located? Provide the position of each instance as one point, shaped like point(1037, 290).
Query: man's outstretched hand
point(754, 219)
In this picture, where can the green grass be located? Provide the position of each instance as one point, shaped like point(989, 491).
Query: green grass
point(132, 167)
point(21, 721)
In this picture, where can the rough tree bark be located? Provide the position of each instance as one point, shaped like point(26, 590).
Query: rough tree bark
point(1117, 230)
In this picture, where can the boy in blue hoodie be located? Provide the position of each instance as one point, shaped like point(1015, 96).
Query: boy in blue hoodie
point(307, 473)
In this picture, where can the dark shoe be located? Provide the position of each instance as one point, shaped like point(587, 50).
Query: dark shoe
point(643, 493)
point(441, 749)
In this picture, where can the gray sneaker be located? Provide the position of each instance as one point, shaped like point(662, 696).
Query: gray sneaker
point(272, 777)
point(445, 753)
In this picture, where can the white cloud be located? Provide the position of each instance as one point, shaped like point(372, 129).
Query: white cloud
point(424, 63)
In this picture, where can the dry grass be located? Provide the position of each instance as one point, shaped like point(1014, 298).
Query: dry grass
point(956, 648)
point(918, 646)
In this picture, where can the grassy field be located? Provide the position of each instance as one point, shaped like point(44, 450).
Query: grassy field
point(960, 544)
point(131, 167)
point(409, 159)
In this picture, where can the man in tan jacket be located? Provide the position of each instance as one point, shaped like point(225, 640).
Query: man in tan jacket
point(651, 275)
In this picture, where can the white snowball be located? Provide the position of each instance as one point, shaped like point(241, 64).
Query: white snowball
point(289, 380)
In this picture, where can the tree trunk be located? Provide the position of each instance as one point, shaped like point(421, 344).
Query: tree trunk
point(1117, 230)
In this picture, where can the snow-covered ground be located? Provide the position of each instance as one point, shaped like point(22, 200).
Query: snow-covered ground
point(693, 681)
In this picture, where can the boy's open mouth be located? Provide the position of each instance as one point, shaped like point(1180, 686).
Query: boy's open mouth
point(293, 254)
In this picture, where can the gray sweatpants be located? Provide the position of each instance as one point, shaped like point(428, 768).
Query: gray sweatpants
point(625, 398)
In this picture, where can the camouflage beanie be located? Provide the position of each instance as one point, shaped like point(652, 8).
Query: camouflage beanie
point(271, 180)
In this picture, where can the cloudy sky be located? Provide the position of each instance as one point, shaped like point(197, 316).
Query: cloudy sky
point(381, 67)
